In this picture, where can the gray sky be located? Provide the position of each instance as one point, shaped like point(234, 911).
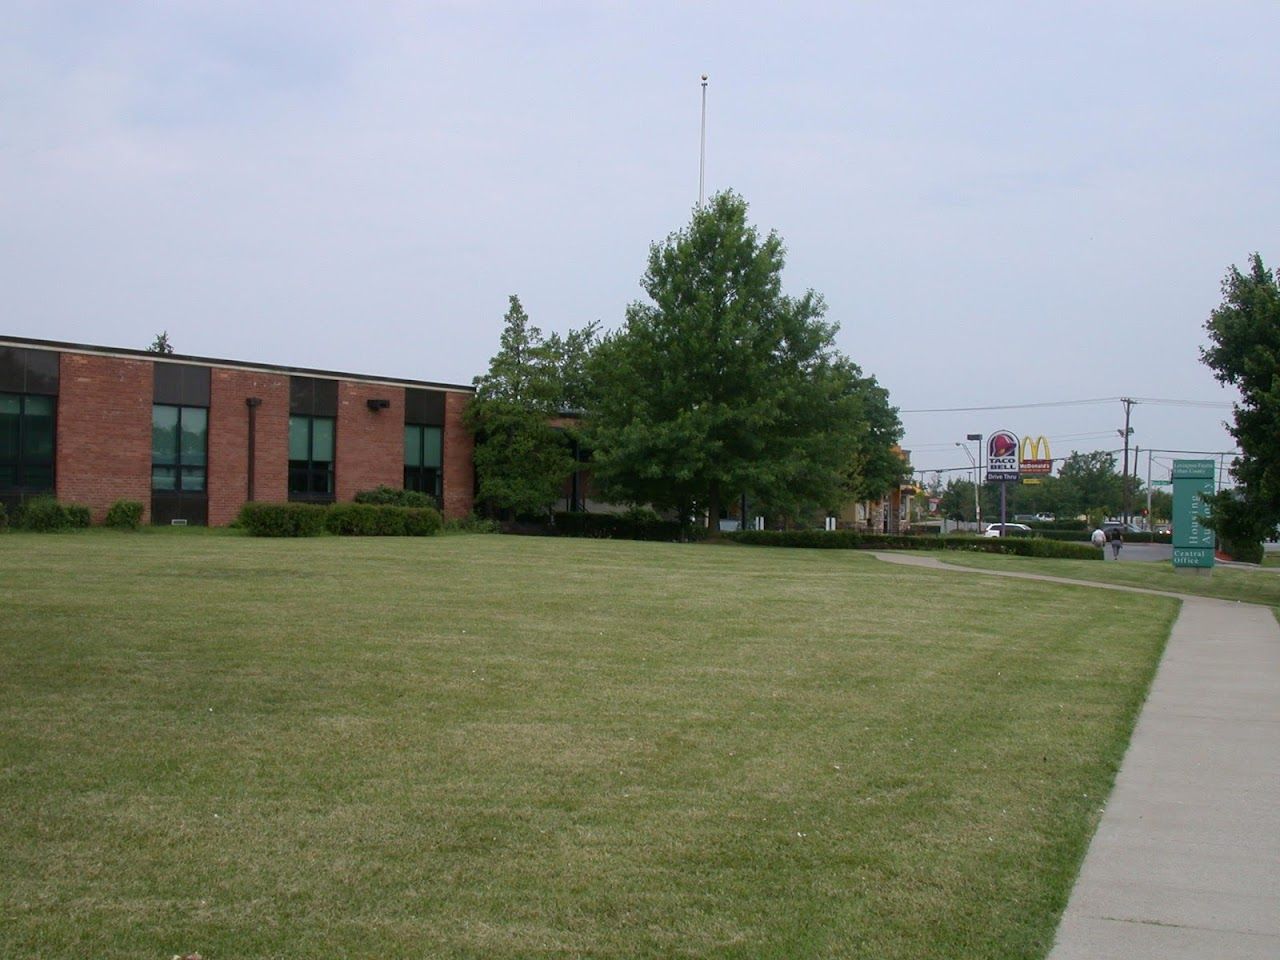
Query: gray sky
point(1002, 203)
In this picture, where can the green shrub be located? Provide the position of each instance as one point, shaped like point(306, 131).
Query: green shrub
point(471, 524)
point(282, 519)
point(78, 516)
point(852, 540)
point(645, 525)
point(370, 520)
point(391, 496)
point(125, 515)
point(1246, 551)
point(423, 521)
point(47, 515)
point(4, 517)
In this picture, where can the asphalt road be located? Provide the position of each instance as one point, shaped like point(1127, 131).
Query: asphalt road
point(1142, 552)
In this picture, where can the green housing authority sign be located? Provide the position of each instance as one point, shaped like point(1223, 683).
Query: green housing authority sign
point(1193, 480)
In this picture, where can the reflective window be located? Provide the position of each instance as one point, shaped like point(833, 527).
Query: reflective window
point(423, 458)
point(26, 441)
point(311, 447)
point(179, 447)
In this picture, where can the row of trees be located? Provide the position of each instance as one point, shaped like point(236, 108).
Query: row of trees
point(719, 386)
point(1087, 484)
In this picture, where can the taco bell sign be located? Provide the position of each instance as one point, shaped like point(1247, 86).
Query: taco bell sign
point(1002, 457)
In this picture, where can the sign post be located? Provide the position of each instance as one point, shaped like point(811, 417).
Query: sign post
point(1002, 465)
point(1193, 480)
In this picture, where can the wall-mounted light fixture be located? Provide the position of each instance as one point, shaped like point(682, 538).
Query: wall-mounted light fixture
point(377, 403)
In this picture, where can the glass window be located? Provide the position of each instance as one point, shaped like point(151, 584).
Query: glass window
point(311, 445)
point(431, 444)
point(26, 441)
point(423, 458)
point(299, 438)
point(179, 448)
point(10, 432)
point(164, 434)
point(412, 445)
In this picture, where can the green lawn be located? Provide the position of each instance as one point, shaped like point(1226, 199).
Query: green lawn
point(512, 747)
point(1249, 585)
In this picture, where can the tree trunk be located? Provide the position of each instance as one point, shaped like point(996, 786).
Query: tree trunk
point(713, 511)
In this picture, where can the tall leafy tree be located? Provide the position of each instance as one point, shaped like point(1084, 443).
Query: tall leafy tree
point(721, 385)
point(1088, 483)
point(1244, 351)
point(521, 458)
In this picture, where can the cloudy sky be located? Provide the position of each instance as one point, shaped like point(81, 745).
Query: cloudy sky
point(1002, 204)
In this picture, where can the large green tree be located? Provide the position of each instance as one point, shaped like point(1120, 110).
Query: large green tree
point(521, 459)
point(720, 385)
point(1244, 351)
point(1089, 484)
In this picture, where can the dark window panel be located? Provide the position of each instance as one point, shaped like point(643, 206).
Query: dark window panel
point(424, 406)
point(326, 402)
point(301, 395)
point(182, 384)
point(28, 371)
point(313, 397)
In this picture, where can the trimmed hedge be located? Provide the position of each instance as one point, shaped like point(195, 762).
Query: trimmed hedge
point(4, 517)
point(852, 540)
point(370, 520)
point(393, 497)
point(282, 519)
point(471, 524)
point(342, 519)
point(125, 515)
point(613, 526)
point(47, 515)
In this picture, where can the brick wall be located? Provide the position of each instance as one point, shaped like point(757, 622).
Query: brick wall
point(229, 441)
point(459, 446)
point(104, 431)
point(370, 443)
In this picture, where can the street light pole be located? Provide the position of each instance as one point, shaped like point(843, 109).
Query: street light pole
point(977, 486)
point(977, 507)
point(702, 147)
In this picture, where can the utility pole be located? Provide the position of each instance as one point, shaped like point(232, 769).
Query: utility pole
point(1124, 473)
point(1148, 492)
point(702, 151)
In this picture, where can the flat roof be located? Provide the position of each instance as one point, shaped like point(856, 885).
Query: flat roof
point(125, 352)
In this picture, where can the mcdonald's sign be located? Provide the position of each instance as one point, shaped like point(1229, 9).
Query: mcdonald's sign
point(1034, 458)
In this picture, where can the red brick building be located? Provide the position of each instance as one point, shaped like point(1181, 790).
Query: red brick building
point(194, 438)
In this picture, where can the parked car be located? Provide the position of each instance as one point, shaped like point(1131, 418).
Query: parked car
point(1110, 525)
point(1164, 528)
point(1008, 530)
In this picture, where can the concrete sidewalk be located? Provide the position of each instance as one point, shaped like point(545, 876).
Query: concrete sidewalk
point(1186, 860)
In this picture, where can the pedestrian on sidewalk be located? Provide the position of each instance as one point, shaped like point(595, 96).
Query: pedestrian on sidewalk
point(1117, 541)
point(1098, 539)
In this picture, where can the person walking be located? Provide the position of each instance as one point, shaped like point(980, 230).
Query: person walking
point(1117, 541)
point(1098, 538)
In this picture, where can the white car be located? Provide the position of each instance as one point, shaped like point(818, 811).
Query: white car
point(1008, 530)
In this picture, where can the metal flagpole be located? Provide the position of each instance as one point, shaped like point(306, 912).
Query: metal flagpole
point(702, 151)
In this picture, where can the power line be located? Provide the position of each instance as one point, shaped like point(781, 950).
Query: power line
point(1015, 406)
point(1154, 401)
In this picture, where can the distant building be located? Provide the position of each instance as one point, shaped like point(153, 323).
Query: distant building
point(195, 438)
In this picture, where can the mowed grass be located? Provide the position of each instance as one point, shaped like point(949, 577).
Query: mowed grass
point(514, 747)
point(1246, 584)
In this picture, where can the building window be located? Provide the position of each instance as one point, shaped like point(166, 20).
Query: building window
point(26, 442)
point(423, 459)
point(179, 448)
point(311, 458)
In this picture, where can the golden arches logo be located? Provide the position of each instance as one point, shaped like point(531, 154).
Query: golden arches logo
point(1034, 456)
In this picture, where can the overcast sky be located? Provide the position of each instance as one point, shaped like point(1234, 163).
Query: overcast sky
point(1001, 203)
